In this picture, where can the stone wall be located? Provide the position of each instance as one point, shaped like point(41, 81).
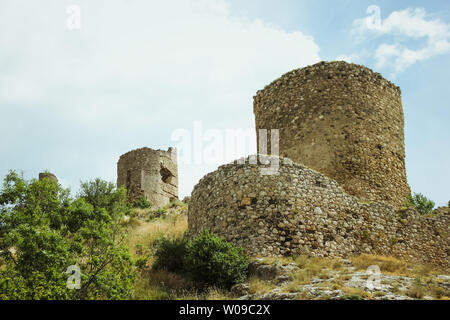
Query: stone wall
point(149, 173)
point(344, 121)
point(301, 211)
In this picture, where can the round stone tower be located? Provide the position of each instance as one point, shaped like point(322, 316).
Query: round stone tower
point(149, 173)
point(48, 175)
point(343, 120)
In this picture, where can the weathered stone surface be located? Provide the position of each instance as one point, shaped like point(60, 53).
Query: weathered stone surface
point(240, 289)
point(264, 272)
point(282, 217)
point(149, 173)
point(336, 285)
point(47, 175)
point(343, 120)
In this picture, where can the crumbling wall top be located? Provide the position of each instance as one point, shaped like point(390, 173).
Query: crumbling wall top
point(329, 70)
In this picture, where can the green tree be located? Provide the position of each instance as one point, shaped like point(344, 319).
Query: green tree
point(43, 231)
point(421, 203)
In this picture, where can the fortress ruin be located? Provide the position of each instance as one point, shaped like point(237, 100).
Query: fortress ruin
point(48, 175)
point(149, 173)
point(301, 211)
point(341, 180)
point(344, 121)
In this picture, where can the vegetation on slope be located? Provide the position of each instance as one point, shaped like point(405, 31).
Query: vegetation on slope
point(43, 232)
point(134, 251)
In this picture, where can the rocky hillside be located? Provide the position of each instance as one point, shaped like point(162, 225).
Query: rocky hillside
point(341, 279)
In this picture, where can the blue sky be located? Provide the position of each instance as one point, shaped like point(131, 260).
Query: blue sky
point(73, 101)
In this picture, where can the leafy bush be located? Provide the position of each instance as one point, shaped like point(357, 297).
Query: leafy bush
point(141, 262)
point(141, 203)
point(207, 259)
point(43, 232)
point(170, 253)
point(158, 213)
point(211, 260)
point(421, 203)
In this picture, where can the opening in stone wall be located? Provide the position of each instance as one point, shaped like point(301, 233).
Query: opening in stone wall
point(166, 174)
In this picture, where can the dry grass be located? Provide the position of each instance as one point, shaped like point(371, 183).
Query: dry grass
point(417, 291)
point(217, 294)
point(210, 294)
point(394, 266)
point(258, 286)
point(315, 267)
point(159, 285)
point(293, 286)
point(386, 264)
point(349, 291)
point(306, 262)
point(422, 270)
point(312, 267)
point(379, 294)
point(280, 261)
point(303, 295)
point(145, 235)
point(150, 284)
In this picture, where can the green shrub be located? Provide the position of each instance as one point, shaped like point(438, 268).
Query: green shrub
point(170, 253)
point(211, 260)
point(141, 262)
point(50, 231)
point(141, 203)
point(158, 213)
point(421, 203)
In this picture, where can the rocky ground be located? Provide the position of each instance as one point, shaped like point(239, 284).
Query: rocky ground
point(278, 281)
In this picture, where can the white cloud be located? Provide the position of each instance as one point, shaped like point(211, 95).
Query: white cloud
point(168, 43)
point(135, 68)
point(411, 24)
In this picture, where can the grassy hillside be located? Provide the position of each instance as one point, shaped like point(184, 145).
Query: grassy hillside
point(304, 277)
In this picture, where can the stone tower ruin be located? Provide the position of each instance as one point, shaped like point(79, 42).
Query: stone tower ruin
point(342, 120)
point(150, 173)
point(48, 175)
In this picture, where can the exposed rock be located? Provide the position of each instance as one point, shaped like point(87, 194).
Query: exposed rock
point(265, 272)
point(383, 287)
point(240, 289)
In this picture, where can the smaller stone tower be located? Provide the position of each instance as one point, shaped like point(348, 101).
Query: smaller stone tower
point(47, 175)
point(149, 173)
